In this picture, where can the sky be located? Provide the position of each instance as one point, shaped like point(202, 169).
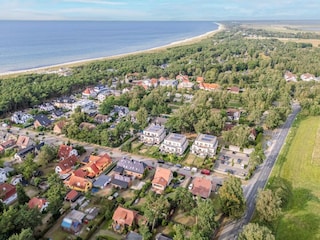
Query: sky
point(159, 9)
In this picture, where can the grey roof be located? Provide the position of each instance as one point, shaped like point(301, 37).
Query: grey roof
point(175, 137)
point(133, 236)
point(25, 151)
point(160, 236)
point(120, 183)
point(118, 169)
point(206, 138)
point(155, 128)
point(101, 181)
point(75, 215)
point(132, 165)
point(43, 120)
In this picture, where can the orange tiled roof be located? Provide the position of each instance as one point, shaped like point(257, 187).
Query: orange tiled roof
point(162, 176)
point(67, 164)
point(201, 187)
point(22, 141)
point(80, 173)
point(77, 182)
point(36, 202)
point(200, 79)
point(124, 216)
point(209, 86)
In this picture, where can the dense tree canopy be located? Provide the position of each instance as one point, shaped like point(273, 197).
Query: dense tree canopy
point(254, 231)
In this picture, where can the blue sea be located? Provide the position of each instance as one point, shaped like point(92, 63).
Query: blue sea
point(32, 44)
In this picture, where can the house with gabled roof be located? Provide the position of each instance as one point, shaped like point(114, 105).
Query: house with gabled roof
point(8, 144)
point(73, 221)
point(39, 203)
point(89, 92)
point(201, 187)
point(87, 126)
point(307, 77)
point(97, 165)
point(8, 193)
point(123, 217)
point(161, 179)
point(66, 165)
point(66, 151)
point(79, 184)
point(290, 77)
point(100, 118)
point(23, 142)
point(209, 86)
point(59, 126)
point(121, 181)
point(132, 167)
point(41, 121)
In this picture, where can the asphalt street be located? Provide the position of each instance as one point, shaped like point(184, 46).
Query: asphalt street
point(231, 230)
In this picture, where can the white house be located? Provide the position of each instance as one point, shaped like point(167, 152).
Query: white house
point(3, 175)
point(16, 179)
point(20, 117)
point(153, 134)
point(205, 145)
point(174, 143)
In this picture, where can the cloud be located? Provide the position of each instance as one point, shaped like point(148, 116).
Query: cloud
point(96, 2)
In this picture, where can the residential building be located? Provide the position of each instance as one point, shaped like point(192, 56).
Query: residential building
point(182, 78)
point(66, 165)
point(169, 83)
point(72, 196)
point(40, 203)
point(4, 174)
point(23, 142)
point(87, 126)
point(58, 127)
point(209, 86)
point(20, 117)
point(9, 143)
point(102, 181)
point(20, 155)
point(8, 193)
point(100, 88)
point(103, 95)
point(200, 80)
point(121, 111)
point(66, 151)
point(89, 92)
point(235, 90)
point(83, 104)
point(132, 167)
point(100, 118)
point(253, 134)
point(120, 181)
point(73, 221)
point(41, 121)
point(233, 114)
point(201, 187)
point(48, 107)
point(307, 77)
point(123, 218)
point(205, 145)
point(15, 180)
point(64, 102)
point(161, 179)
point(133, 236)
point(174, 143)
point(153, 134)
point(79, 184)
point(97, 165)
point(290, 77)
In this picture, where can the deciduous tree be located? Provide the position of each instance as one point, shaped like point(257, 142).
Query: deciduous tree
point(254, 231)
point(268, 205)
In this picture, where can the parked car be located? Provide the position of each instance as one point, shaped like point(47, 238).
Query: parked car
point(205, 171)
point(190, 186)
point(160, 161)
point(186, 168)
point(178, 165)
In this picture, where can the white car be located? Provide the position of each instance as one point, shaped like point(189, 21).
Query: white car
point(187, 168)
point(190, 186)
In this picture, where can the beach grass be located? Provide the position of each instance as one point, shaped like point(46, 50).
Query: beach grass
point(301, 216)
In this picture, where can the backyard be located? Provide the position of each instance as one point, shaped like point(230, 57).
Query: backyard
point(298, 166)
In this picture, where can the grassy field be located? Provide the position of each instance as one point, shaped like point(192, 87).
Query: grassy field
point(295, 165)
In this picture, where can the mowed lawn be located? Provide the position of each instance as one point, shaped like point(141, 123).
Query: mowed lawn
point(301, 218)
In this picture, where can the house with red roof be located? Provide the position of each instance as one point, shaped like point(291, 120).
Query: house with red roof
point(66, 151)
point(78, 183)
point(97, 165)
point(23, 142)
point(200, 80)
point(290, 77)
point(201, 187)
point(161, 179)
point(89, 92)
point(123, 218)
point(66, 165)
point(8, 193)
point(58, 127)
point(307, 77)
point(234, 90)
point(182, 78)
point(72, 196)
point(39, 203)
point(209, 86)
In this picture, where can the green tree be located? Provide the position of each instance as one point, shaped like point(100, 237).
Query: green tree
point(184, 199)
point(145, 232)
point(142, 117)
point(268, 205)
point(25, 234)
point(205, 218)
point(232, 198)
point(28, 167)
point(55, 193)
point(179, 232)
point(155, 208)
point(47, 154)
point(254, 231)
point(22, 196)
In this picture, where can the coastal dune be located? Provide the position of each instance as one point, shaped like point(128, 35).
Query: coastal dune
point(86, 61)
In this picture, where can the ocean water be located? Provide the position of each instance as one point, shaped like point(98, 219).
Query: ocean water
point(31, 44)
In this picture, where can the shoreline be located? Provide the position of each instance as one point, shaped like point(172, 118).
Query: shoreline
point(90, 60)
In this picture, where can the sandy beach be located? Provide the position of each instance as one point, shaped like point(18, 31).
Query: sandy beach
point(86, 61)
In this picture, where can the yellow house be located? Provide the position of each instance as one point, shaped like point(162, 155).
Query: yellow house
point(79, 184)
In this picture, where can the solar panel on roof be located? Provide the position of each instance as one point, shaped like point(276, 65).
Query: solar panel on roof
point(209, 136)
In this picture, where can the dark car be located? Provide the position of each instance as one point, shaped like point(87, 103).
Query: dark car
point(178, 165)
point(160, 161)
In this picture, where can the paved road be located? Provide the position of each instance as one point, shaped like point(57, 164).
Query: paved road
point(260, 178)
